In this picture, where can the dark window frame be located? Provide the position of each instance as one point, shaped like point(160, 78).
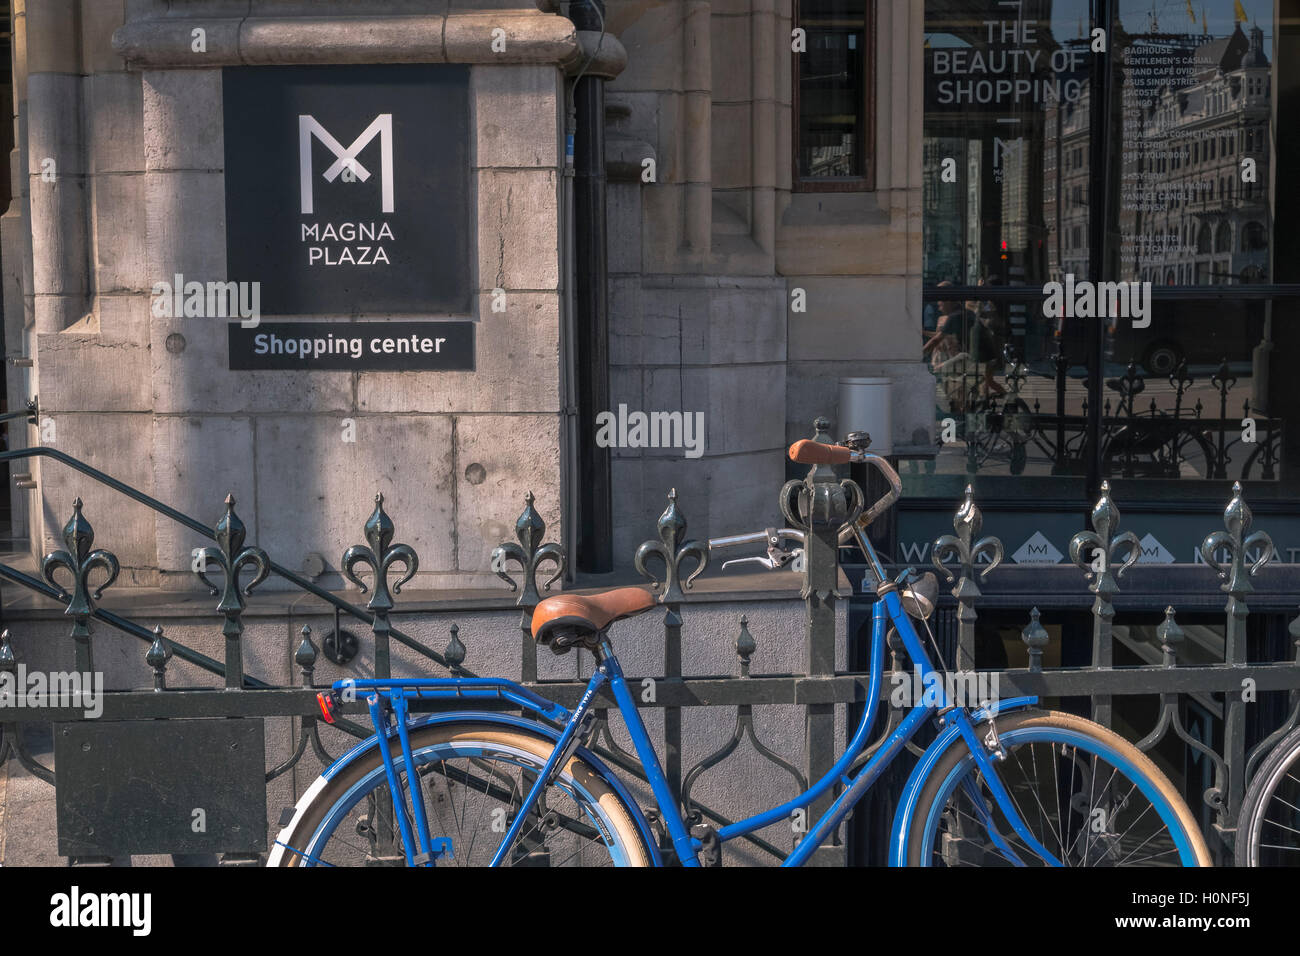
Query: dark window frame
point(867, 181)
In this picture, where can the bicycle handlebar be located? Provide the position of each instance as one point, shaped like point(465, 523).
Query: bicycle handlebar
point(756, 537)
point(808, 452)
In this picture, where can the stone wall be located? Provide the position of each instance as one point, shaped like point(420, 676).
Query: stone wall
point(707, 260)
point(140, 196)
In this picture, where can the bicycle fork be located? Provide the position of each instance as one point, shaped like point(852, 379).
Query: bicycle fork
point(987, 753)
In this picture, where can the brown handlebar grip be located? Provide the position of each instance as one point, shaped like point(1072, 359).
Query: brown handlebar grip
point(808, 452)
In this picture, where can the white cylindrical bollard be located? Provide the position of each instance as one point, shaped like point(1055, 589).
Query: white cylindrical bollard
point(865, 406)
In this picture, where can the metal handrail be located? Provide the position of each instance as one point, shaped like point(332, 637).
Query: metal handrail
point(199, 527)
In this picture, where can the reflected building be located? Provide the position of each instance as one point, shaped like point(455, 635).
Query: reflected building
point(1191, 212)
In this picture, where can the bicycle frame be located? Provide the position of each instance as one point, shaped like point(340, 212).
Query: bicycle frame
point(391, 697)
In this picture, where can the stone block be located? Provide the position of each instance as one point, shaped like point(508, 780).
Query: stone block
point(529, 37)
point(516, 115)
point(183, 120)
point(119, 231)
point(667, 312)
point(123, 318)
point(623, 219)
point(114, 104)
point(662, 209)
point(321, 39)
point(315, 491)
point(191, 373)
point(98, 21)
point(58, 224)
point(625, 320)
point(51, 37)
point(498, 459)
point(743, 406)
point(731, 52)
point(321, 8)
point(517, 366)
point(840, 308)
point(197, 461)
point(117, 444)
point(518, 229)
point(185, 222)
point(80, 372)
point(51, 138)
point(651, 32)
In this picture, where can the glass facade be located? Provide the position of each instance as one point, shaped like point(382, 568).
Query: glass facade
point(1104, 294)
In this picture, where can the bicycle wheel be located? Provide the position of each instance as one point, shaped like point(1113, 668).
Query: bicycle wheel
point(1268, 828)
point(474, 777)
point(1087, 795)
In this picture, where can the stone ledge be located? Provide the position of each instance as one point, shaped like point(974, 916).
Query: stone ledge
point(143, 604)
point(263, 41)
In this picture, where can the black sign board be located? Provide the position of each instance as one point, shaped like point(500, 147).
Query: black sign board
point(353, 346)
point(347, 188)
point(160, 786)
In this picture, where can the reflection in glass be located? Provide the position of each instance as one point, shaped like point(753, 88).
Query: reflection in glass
point(1176, 395)
point(1007, 166)
point(1196, 95)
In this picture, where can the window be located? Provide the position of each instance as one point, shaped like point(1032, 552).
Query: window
point(1012, 91)
point(834, 126)
point(1253, 238)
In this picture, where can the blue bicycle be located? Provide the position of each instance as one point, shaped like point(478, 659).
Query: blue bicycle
point(1000, 785)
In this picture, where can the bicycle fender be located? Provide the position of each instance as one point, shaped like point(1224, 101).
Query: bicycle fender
point(520, 723)
point(902, 824)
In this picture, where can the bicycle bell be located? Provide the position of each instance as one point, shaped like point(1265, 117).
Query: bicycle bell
point(858, 441)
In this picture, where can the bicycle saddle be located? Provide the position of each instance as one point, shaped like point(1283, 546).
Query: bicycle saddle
point(579, 620)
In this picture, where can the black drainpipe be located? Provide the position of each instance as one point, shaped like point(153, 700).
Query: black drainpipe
point(595, 521)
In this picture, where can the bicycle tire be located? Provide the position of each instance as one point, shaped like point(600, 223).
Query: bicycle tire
point(928, 845)
point(329, 801)
point(1281, 768)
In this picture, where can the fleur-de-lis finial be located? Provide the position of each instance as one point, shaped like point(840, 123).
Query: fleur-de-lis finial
point(1094, 551)
point(232, 557)
point(966, 546)
point(380, 556)
point(1238, 542)
point(530, 554)
point(671, 549)
point(80, 558)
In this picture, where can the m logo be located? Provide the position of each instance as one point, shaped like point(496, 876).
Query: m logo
point(346, 158)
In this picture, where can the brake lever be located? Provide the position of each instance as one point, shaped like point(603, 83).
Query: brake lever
point(776, 558)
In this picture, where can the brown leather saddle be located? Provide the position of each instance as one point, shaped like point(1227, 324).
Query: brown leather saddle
point(580, 620)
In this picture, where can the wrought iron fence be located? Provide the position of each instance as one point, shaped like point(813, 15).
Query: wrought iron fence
point(1103, 554)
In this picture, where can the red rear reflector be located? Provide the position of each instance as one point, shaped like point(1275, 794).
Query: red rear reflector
point(326, 703)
